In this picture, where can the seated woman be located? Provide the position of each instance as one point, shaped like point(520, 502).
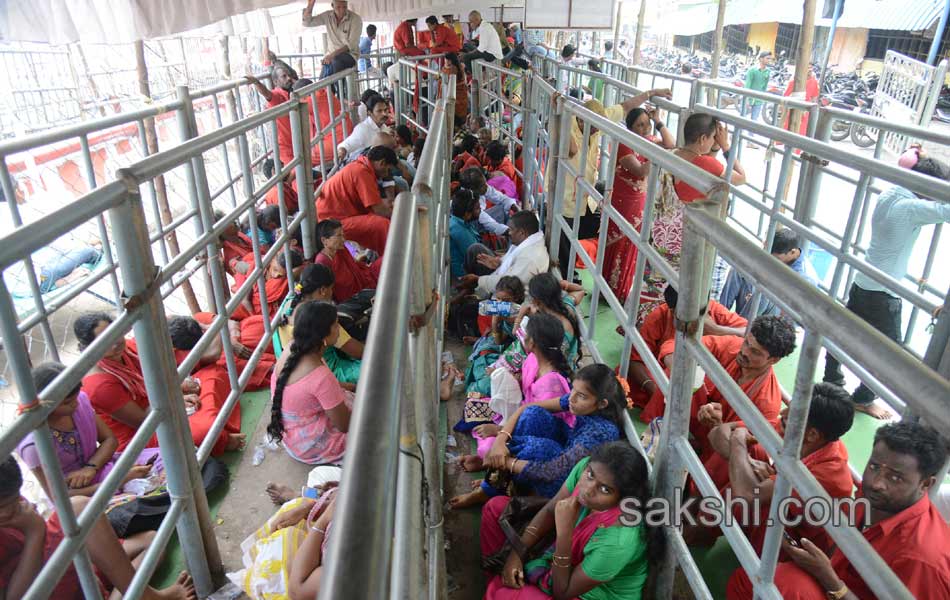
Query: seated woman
point(275, 285)
point(245, 335)
point(352, 276)
point(117, 392)
point(310, 411)
point(547, 296)
point(284, 558)
point(595, 554)
point(85, 446)
point(543, 377)
point(27, 542)
point(534, 450)
point(344, 357)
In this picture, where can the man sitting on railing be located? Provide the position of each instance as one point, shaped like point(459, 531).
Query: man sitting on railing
point(365, 132)
point(343, 35)
point(752, 477)
point(404, 39)
point(748, 361)
point(739, 290)
point(444, 39)
point(526, 257)
point(895, 225)
point(352, 197)
point(897, 520)
point(489, 44)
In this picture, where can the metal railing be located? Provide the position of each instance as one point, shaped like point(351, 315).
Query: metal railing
point(393, 499)
point(373, 78)
point(714, 226)
point(140, 298)
point(419, 84)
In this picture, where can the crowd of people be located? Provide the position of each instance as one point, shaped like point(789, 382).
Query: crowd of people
point(547, 423)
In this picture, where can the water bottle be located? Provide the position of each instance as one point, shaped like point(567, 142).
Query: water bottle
point(497, 308)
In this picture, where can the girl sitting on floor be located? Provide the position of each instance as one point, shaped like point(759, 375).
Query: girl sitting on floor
point(595, 554)
point(310, 411)
point(534, 451)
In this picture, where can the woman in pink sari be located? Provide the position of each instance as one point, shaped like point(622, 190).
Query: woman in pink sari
point(629, 193)
point(595, 553)
point(543, 376)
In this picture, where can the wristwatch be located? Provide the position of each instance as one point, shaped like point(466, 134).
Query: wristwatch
point(839, 594)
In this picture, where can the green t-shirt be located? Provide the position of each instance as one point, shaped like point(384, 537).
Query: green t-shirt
point(596, 88)
point(757, 79)
point(615, 555)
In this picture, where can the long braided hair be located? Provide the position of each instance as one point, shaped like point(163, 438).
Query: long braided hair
point(545, 291)
point(313, 278)
point(312, 325)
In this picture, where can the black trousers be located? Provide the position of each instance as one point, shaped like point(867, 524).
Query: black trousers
point(589, 228)
point(468, 57)
point(883, 312)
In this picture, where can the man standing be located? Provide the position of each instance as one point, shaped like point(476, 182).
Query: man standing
point(757, 78)
point(444, 39)
point(489, 44)
point(343, 35)
point(895, 225)
point(366, 47)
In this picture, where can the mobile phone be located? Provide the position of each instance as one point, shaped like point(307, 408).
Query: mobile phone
point(791, 540)
point(151, 461)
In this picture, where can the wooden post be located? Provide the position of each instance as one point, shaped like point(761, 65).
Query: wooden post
point(638, 39)
point(803, 61)
point(92, 82)
point(161, 192)
point(617, 31)
point(300, 60)
point(717, 50)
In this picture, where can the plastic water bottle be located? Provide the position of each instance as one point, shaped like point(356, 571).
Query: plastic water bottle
point(258, 457)
point(497, 308)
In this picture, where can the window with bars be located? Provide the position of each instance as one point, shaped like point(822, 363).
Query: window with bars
point(908, 43)
point(787, 39)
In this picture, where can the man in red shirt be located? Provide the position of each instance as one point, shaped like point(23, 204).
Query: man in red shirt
point(282, 78)
point(657, 329)
point(749, 362)
point(444, 38)
point(902, 526)
point(352, 197)
point(750, 475)
point(404, 39)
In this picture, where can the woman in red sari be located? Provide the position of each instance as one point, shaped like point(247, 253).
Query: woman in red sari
point(352, 276)
point(629, 193)
point(703, 137)
point(116, 390)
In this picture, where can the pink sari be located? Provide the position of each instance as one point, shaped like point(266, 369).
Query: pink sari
point(535, 389)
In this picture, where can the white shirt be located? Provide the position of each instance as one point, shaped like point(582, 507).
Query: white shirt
point(361, 137)
point(524, 261)
point(498, 199)
point(345, 33)
point(488, 40)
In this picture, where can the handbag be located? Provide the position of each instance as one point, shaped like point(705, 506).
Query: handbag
point(513, 520)
point(477, 410)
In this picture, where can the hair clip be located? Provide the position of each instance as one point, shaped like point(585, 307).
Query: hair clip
point(298, 288)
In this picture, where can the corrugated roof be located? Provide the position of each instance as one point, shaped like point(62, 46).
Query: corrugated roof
point(699, 16)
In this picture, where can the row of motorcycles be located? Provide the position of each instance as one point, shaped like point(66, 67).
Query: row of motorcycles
point(848, 91)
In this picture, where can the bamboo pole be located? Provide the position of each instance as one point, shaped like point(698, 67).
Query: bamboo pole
point(93, 88)
point(161, 192)
point(803, 60)
point(717, 50)
point(617, 30)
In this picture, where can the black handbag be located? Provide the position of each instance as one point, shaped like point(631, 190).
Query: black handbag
point(513, 520)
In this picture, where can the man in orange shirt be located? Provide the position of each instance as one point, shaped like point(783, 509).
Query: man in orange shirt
point(404, 39)
point(898, 521)
point(750, 475)
point(352, 197)
point(282, 78)
point(444, 38)
point(657, 329)
point(749, 362)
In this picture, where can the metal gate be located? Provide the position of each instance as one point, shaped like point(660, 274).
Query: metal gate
point(907, 93)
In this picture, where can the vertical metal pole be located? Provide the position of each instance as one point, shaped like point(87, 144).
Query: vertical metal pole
point(224, 150)
point(100, 220)
point(529, 140)
point(839, 5)
point(162, 385)
point(669, 471)
point(300, 132)
point(810, 181)
point(938, 35)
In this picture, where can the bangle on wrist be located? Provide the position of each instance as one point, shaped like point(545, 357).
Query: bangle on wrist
point(506, 433)
point(89, 464)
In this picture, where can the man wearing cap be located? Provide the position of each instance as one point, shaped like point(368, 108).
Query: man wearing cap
point(757, 78)
point(895, 225)
point(343, 35)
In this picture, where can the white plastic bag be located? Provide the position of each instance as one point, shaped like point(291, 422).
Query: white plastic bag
point(505, 393)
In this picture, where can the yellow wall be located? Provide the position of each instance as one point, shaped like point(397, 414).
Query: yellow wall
point(848, 49)
point(763, 35)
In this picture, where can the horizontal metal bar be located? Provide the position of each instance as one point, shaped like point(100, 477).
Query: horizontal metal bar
point(727, 86)
point(918, 385)
point(60, 301)
point(29, 238)
point(914, 131)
